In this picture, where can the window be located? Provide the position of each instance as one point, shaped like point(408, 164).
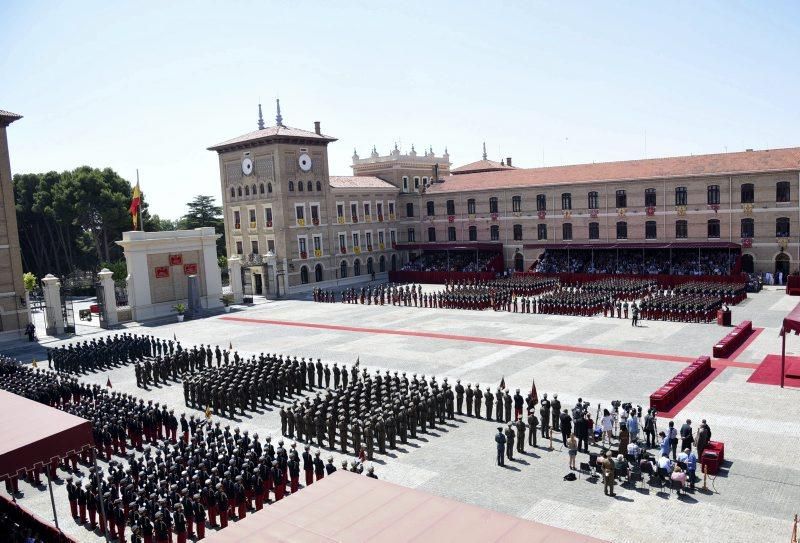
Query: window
point(412, 236)
point(494, 233)
point(342, 243)
point(405, 184)
point(650, 230)
point(473, 233)
point(368, 239)
point(748, 228)
point(246, 190)
point(430, 210)
point(353, 212)
point(416, 184)
point(319, 186)
point(381, 239)
point(424, 181)
point(566, 231)
point(681, 196)
point(254, 247)
point(340, 212)
point(541, 202)
point(269, 188)
point(382, 264)
point(650, 197)
point(379, 210)
point(239, 248)
point(318, 273)
point(261, 188)
point(566, 201)
point(471, 206)
point(356, 240)
point(713, 228)
point(370, 267)
point(304, 273)
point(299, 212)
point(782, 227)
point(237, 220)
point(268, 217)
point(299, 186)
point(451, 233)
point(343, 269)
point(291, 186)
point(541, 231)
point(409, 209)
point(748, 193)
point(493, 205)
point(392, 237)
point(451, 207)
point(233, 192)
point(622, 199)
point(431, 234)
point(301, 244)
point(593, 200)
point(713, 195)
point(516, 204)
point(517, 232)
point(782, 191)
point(271, 245)
point(622, 230)
point(594, 230)
point(681, 229)
point(391, 209)
point(317, 245)
point(357, 267)
point(252, 216)
point(366, 209)
point(239, 192)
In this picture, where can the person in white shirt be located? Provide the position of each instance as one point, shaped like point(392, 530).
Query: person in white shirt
point(607, 425)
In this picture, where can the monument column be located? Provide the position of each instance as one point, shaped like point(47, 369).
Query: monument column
point(54, 316)
point(109, 296)
point(235, 275)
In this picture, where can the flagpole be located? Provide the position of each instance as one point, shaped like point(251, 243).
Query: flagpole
point(139, 209)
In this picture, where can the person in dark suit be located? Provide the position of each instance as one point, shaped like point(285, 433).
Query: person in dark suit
point(500, 440)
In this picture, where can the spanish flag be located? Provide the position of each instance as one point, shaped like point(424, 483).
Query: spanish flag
point(136, 201)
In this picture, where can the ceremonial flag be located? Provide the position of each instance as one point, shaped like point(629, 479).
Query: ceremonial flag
point(534, 395)
point(34, 364)
point(174, 337)
point(208, 412)
point(108, 383)
point(358, 360)
point(503, 383)
point(230, 346)
point(136, 202)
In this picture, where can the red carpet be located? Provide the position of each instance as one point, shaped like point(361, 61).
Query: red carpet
point(769, 371)
point(672, 413)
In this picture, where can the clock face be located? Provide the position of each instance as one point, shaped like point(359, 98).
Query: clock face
point(247, 166)
point(305, 162)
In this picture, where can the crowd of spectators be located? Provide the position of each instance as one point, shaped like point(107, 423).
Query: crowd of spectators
point(454, 261)
point(683, 262)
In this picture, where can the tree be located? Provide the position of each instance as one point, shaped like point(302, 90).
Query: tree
point(204, 212)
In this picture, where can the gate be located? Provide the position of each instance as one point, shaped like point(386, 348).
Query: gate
point(102, 315)
point(67, 311)
point(247, 286)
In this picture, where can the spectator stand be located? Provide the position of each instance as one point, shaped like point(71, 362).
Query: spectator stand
point(18, 520)
point(440, 263)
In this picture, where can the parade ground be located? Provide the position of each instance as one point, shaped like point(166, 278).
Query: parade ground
point(753, 498)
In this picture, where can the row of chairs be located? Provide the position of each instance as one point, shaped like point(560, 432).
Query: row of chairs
point(633, 472)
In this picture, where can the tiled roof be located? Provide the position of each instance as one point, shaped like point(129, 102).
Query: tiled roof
point(270, 133)
point(359, 182)
point(770, 160)
point(6, 117)
point(481, 166)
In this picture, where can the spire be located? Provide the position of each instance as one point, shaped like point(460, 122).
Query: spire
point(484, 150)
point(278, 117)
point(260, 118)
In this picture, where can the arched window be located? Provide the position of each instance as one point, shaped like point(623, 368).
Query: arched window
point(233, 192)
point(310, 186)
point(261, 188)
point(471, 206)
point(382, 264)
point(394, 262)
point(712, 195)
point(409, 209)
point(254, 189)
point(713, 228)
point(681, 196)
point(304, 275)
point(782, 229)
point(541, 202)
point(473, 233)
point(239, 191)
point(748, 193)
point(748, 228)
point(370, 267)
point(269, 188)
point(246, 190)
point(622, 230)
point(318, 273)
point(621, 199)
point(516, 204)
point(291, 186)
point(319, 186)
point(299, 186)
point(782, 191)
point(357, 267)
point(566, 201)
point(494, 233)
point(343, 269)
point(593, 200)
point(431, 234)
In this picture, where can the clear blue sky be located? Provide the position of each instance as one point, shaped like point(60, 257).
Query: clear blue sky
point(150, 85)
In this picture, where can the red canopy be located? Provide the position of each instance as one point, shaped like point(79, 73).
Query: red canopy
point(636, 245)
point(33, 434)
point(791, 323)
point(348, 507)
point(451, 246)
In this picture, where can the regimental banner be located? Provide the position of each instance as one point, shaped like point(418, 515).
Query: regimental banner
point(593, 213)
point(747, 208)
point(340, 220)
point(567, 214)
point(451, 218)
point(162, 272)
point(190, 269)
point(747, 243)
point(391, 216)
point(680, 210)
point(651, 210)
point(301, 222)
point(621, 211)
point(357, 250)
point(317, 253)
point(494, 216)
point(542, 215)
point(175, 260)
point(380, 218)
point(381, 246)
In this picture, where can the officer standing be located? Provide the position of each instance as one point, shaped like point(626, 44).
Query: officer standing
point(500, 440)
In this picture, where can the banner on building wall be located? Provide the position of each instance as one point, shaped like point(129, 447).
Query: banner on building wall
point(175, 260)
point(190, 269)
point(162, 272)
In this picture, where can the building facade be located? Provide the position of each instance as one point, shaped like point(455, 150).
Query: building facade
point(296, 227)
point(13, 314)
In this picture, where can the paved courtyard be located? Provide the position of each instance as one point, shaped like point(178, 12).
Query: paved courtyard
point(753, 499)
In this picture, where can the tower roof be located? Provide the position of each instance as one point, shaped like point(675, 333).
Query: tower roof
point(6, 117)
point(269, 134)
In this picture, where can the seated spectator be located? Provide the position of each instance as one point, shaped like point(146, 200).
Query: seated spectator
point(679, 476)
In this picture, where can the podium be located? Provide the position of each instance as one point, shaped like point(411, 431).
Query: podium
point(724, 317)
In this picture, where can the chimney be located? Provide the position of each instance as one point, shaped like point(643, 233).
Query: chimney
point(508, 161)
point(316, 127)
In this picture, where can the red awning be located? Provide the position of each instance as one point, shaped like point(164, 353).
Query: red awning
point(636, 245)
point(791, 323)
point(452, 246)
point(33, 434)
point(347, 507)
